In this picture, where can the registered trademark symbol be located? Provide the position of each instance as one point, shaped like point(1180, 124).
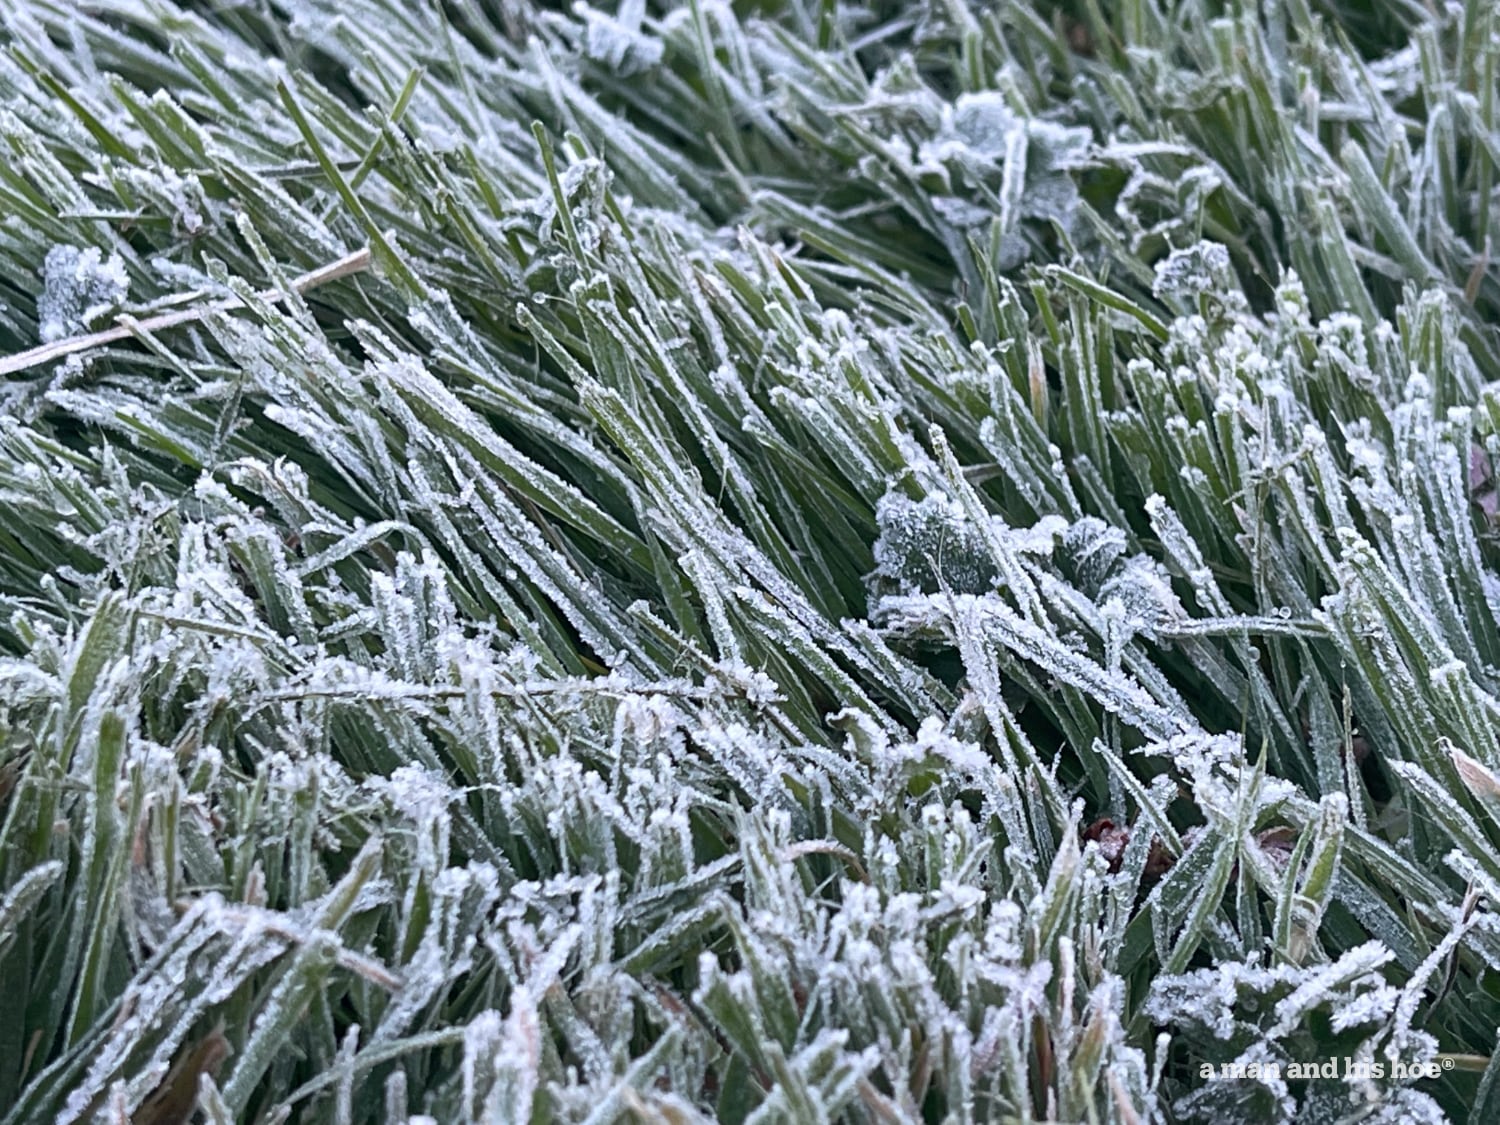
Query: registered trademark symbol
point(1447, 1064)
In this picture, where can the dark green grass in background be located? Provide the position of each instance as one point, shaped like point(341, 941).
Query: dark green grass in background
point(786, 562)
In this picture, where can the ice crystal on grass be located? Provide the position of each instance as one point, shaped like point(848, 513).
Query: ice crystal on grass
point(1201, 269)
point(931, 543)
point(1024, 165)
point(618, 41)
point(79, 286)
point(824, 564)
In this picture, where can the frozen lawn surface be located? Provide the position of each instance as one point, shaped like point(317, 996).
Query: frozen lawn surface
point(774, 562)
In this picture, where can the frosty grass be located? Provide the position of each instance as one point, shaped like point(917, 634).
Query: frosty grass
point(786, 562)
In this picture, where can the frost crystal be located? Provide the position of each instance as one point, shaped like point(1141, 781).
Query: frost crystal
point(617, 41)
point(931, 543)
point(1028, 161)
point(1200, 269)
point(79, 286)
point(605, 592)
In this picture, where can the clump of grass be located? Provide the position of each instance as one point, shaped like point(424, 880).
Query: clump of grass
point(784, 562)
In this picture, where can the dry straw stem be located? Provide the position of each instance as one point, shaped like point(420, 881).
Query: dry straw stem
point(839, 562)
point(130, 328)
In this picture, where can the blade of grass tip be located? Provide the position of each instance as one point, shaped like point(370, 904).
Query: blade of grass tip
point(385, 254)
point(130, 329)
point(398, 111)
point(1195, 929)
point(1108, 298)
point(559, 198)
point(23, 897)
